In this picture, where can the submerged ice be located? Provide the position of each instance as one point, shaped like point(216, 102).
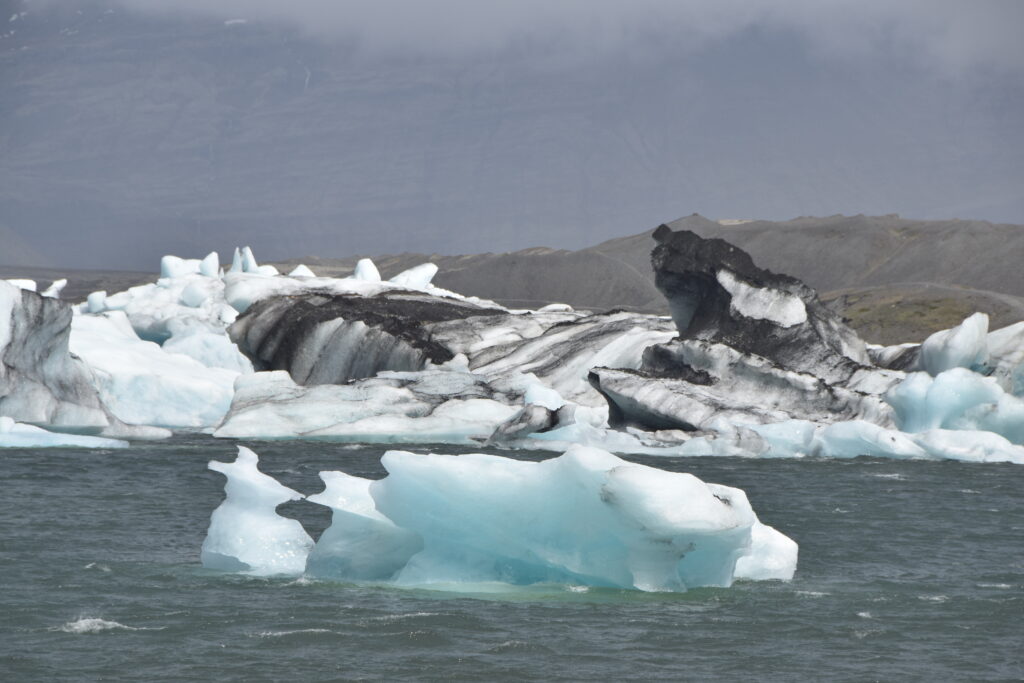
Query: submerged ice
point(583, 518)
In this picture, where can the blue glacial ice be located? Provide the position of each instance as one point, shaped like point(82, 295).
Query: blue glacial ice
point(457, 522)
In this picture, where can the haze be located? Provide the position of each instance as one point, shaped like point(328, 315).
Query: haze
point(141, 127)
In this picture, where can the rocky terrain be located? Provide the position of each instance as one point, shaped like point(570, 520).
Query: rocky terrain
point(893, 279)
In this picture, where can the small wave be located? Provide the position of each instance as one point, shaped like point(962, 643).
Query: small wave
point(865, 615)
point(392, 618)
point(893, 475)
point(1000, 586)
point(298, 631)
point(967, 491)
point(933, 598)
point(578, 589)
point(96, 625)
point(95, 565)
point(302, 581)
point(812, 594)
point(517, 646)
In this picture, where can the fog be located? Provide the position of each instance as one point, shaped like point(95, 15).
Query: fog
point(131, 128)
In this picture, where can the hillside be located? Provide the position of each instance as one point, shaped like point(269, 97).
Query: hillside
point(896, 279)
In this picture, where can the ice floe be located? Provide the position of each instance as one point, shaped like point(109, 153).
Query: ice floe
point(16, 435)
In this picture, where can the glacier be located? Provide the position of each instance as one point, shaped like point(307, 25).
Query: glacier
point(457, 522)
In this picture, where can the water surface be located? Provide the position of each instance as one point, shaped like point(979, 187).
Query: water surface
point(907, 570)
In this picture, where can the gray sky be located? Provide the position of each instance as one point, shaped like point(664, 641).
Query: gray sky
point(137, 127)
point(949, 36)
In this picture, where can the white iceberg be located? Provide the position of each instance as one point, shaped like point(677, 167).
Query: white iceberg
point(246, 534)
point(964, 346)
point(141, 383)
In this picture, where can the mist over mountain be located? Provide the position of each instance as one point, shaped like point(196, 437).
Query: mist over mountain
point(134, 129)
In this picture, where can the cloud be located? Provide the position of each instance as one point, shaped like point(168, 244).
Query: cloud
point(946, 35)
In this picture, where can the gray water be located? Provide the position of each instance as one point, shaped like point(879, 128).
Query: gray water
point(911, 570)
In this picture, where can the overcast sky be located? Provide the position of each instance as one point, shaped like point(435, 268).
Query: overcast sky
point(949, 36)
point(333, 127)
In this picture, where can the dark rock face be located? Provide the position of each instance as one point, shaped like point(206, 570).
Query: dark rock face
point(717, 294)
point(754, 347)
point(334, 338)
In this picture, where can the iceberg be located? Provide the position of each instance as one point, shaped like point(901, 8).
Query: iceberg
point(418, 277)
point(141, 383)
point(586, 517)
point(41, 382)
point(957, 399)
point(964, 346)
point(16, 435)
point(434, 406)
point(750, 363)
point(455, 522)
point(246, 534)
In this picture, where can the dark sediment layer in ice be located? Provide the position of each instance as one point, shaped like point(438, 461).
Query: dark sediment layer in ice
point(334, 338)
point(754, 347)
point(41, 382)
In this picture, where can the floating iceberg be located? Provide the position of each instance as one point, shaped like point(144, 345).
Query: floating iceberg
point(584, 518)
point(41, 382)
point(246, 533)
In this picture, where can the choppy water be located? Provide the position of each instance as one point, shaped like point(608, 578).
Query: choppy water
point(911, 570)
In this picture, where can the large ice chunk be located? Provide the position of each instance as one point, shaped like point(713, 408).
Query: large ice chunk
point(957, 399)
point(586, 517)
point(361, 543)
point(418, 277)
point(366, 270)
point(434, 406)
point(1006, 357)
point(246, 533)
point(964, 346)
point(141, 383)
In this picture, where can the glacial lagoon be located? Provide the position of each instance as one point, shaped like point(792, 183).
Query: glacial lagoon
point(907, 569)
